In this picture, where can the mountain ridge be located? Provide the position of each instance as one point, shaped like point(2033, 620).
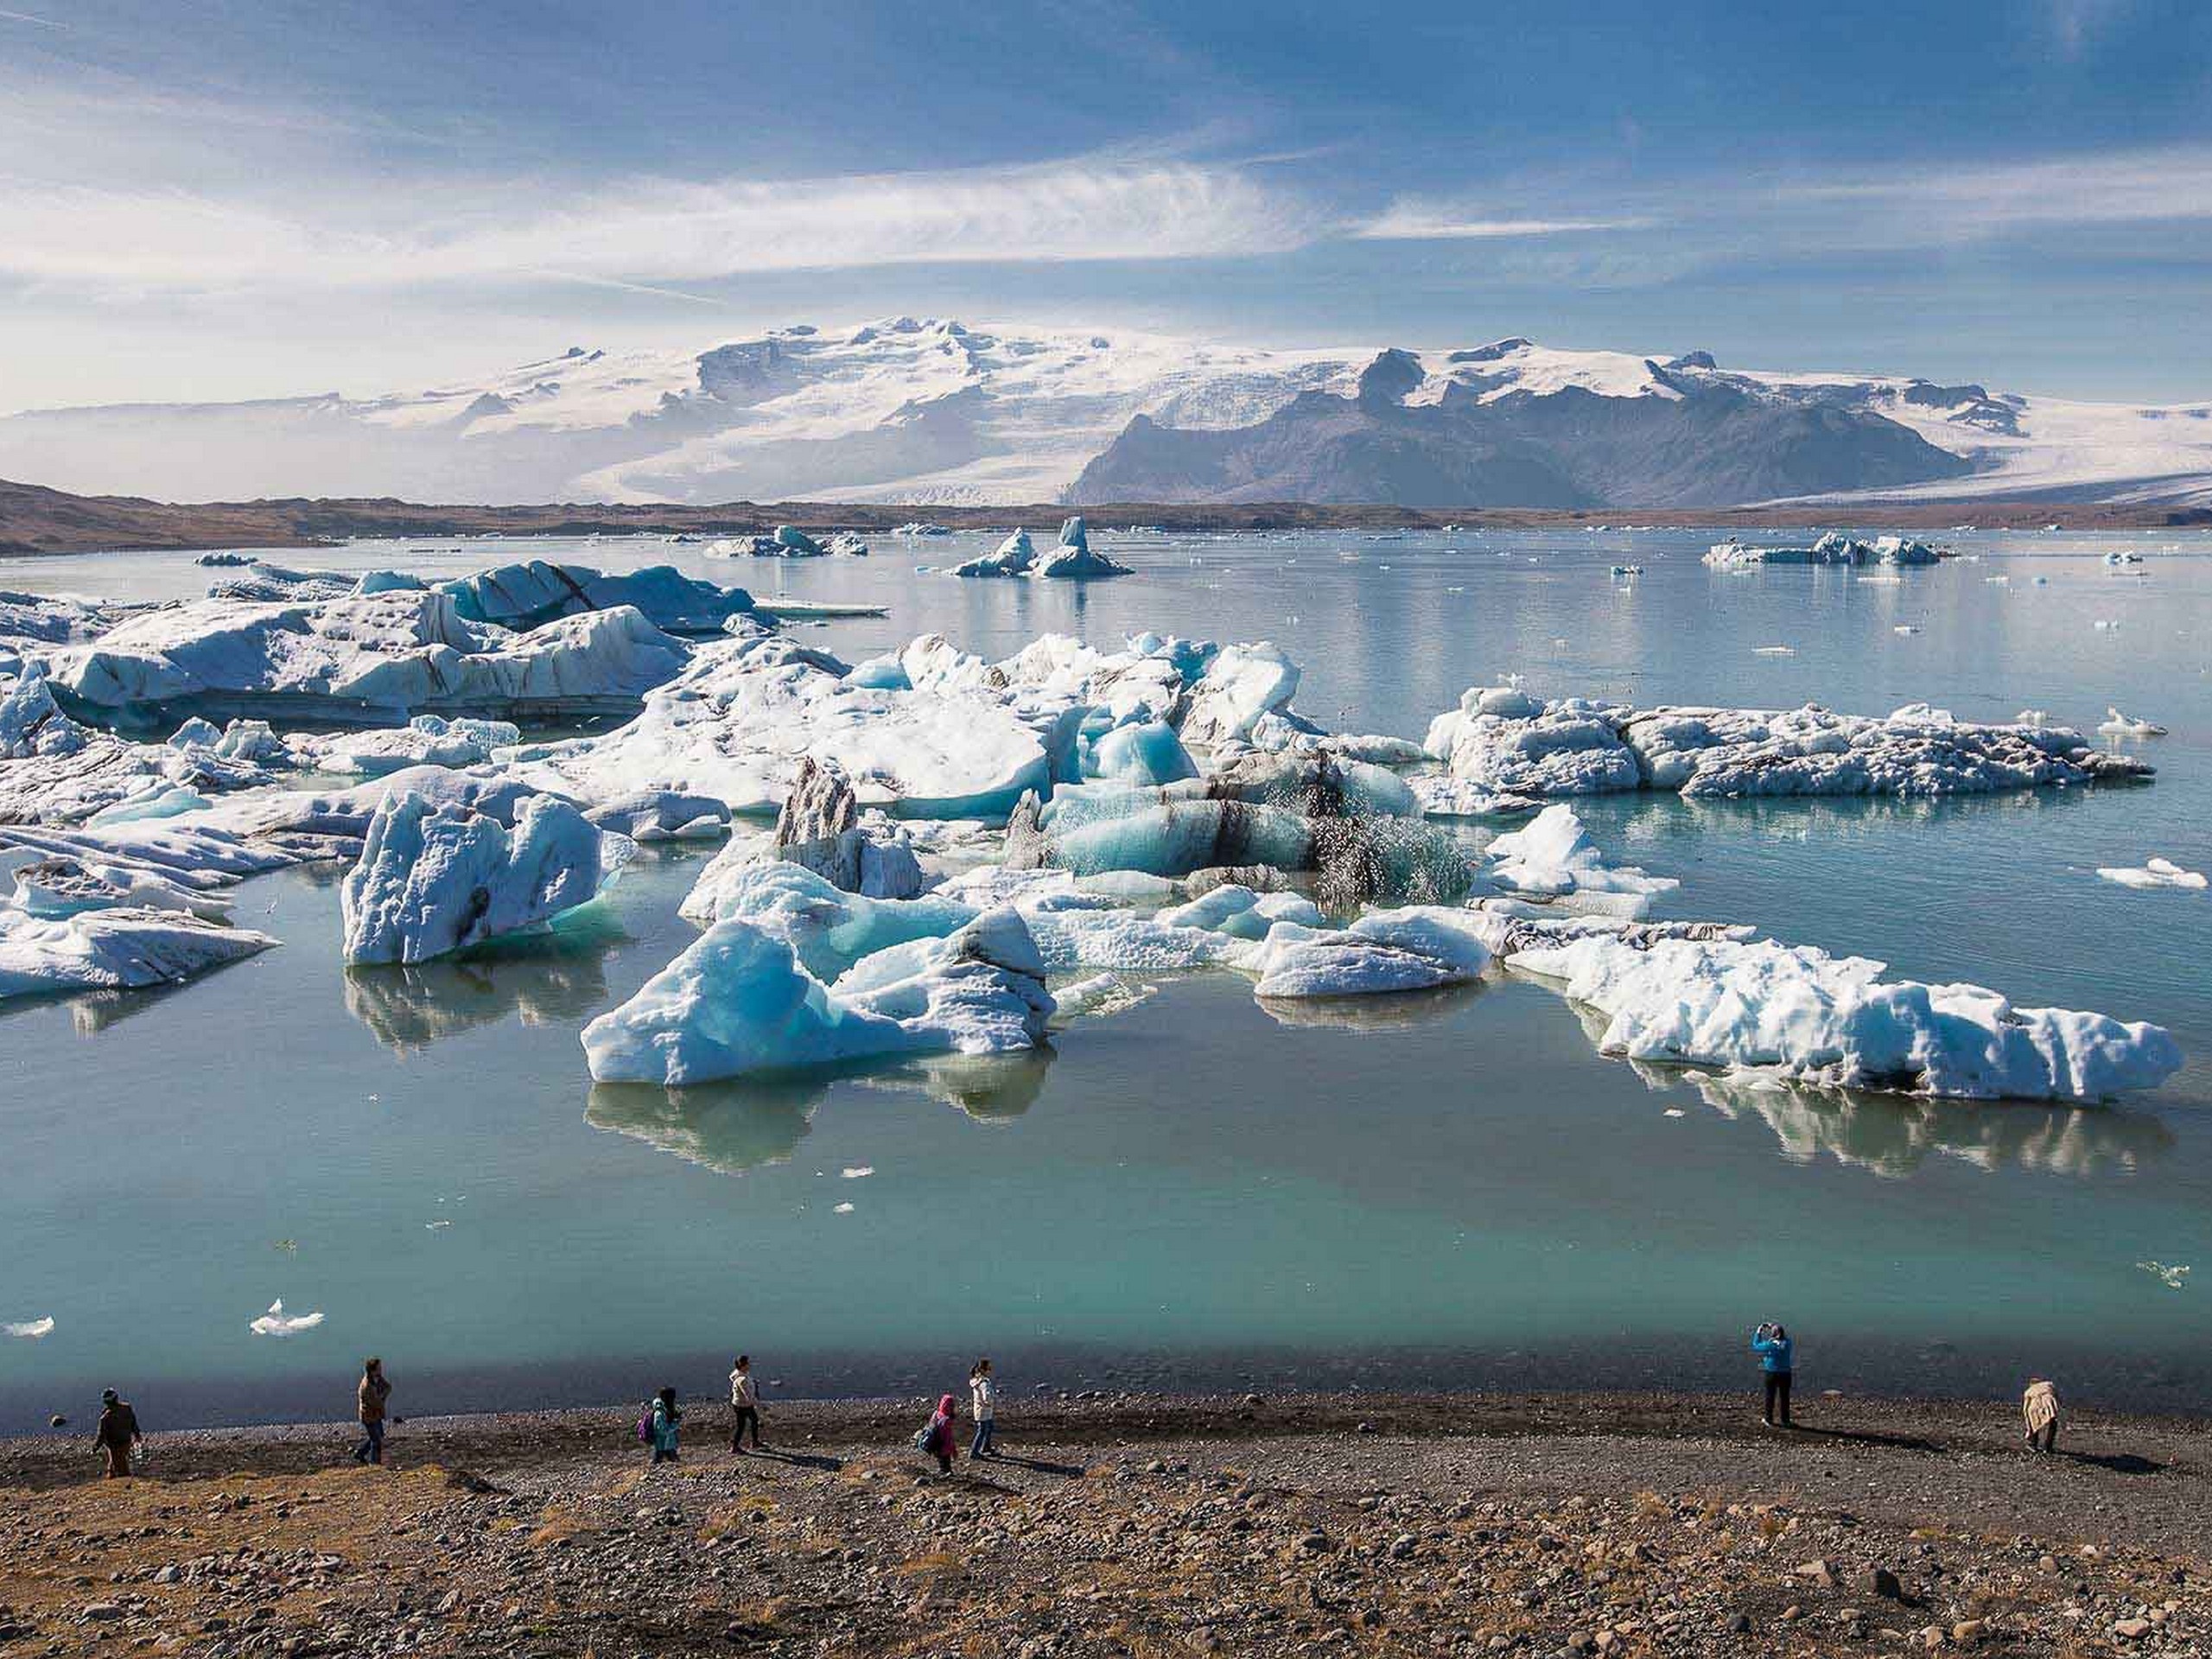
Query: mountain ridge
point(931, 413)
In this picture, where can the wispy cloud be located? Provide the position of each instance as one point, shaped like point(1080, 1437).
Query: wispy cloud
point(650, 232)
point(1415, 222)
point(25, 17)
point(1944, 202)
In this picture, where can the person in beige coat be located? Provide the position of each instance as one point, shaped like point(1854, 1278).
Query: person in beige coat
point(2039, 1408)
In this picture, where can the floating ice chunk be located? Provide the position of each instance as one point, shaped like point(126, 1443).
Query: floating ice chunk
point(526, 596)
point(738, 1000)
point(1834, 548)
point(30, 1330)
point(173, 801)
point(2116, 724)
point(1442, 796)
point(829, 929)
point(1774, 650)
point(841, 1209)
point(1835, 1020)
point(1101, 996)
point(1240, 684)
point(433, 879)
point(1073, 558)
point(1501, 739)
point(362, 659)
point(663, 814)
point(1553, 857)
point(2156, 873)
point(57, 887)
point(1242, 913)
point(277, 1323)
point(1012, 557)
point(426, 740)
point(1145, 755)
point(856, 1172)
point(791, 542)
point(734, 726)
point(113, 950)
point(1386, 950)
point(2173, 1278)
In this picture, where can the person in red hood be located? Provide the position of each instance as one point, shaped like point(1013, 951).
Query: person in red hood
point(937, 1438)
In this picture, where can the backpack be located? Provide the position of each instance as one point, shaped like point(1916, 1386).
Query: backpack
point(925, 1436)
point(646, 1427)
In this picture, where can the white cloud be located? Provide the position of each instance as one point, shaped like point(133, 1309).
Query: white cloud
point(645, 231)
point(2119, 187)
point(1405, 220)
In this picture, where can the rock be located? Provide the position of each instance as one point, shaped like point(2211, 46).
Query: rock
point(1967, 1631)
point(2131, 1629)
point(1878, 1581)
point(1817, 1572)
point(1316, 1543)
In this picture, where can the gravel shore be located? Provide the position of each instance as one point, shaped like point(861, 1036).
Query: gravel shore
point(1523, 1524)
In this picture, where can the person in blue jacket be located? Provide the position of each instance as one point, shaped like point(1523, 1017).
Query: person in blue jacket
point(1776, 1355)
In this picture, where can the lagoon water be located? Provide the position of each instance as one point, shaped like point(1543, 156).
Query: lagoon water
point(1443, 1190)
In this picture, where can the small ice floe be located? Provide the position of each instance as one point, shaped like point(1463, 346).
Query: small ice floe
point(1906, 628)
point(1628, 570)
point(2116, 724)
point(2034, 719)
point(1774, 650)
point(843, 1210)
point(2156, 873)
point(435, 1226)
point(2173, 1278)
point(30, 1330)
point(856, 1172)
point(277, 1323)
point(1673, 1111)
point(2107, 625)
point(1883, 581)
point(1101, 994)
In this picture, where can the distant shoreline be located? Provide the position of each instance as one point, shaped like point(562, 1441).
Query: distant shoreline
point(35, 521)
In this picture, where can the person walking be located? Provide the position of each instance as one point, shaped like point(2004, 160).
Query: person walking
point(665, 1417)
point(2039, 1409)
point(744, 1404)
point(936, 1438)
point(982, 1399)
point(1777, 1356)
point(117, 1434)
point(371, 1396)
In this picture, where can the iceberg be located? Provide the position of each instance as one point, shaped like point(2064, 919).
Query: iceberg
point(735, 725)
point(365, 660)
point(1801, 1014)
point(820, 829)
point(266, 583)
point(2116, 724)
point(1414, 948)
point(432, 880)
point(2156, 873)
point(738, 1001)
point(425, 740)
point(1238, 687)
point(663, 814)
point(1242, 913)
point(1144, 754)
point(1073, 560)
point(117, 948)
point(1834, 548)
point(828, 928)
point(28, 1330)
point(1554, 858)
point(1012, 557)
point(57, 887)
point(277, 1323)
point(527, 596)
point(1502, 739)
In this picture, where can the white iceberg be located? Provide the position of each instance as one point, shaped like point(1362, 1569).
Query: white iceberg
point(2116, 724)
point(526, 596)
point(829, 929)
point(365, 660)
point(1073, 560)
point(736, 724)
point(2156, 873)
point(277, 1323)
point(1012, 557)
point(425, 740)
point(1242, 913)
point(113, 950)
point(1835, 1021)
point(739, 1001)
point(1240, 685)
point(1834, 548)
point(433, 879)
point(30, 1330)
point(1416, 948)
point(1553, 857)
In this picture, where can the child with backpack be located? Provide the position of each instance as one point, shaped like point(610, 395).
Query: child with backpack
point(657, 1428)
point(936, 1438)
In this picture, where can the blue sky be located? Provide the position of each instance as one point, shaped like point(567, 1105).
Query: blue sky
point(236, 198)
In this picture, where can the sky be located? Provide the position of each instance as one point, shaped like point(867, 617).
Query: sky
point(209, 200)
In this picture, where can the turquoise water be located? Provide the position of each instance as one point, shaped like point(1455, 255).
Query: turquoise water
point(1452, 1188)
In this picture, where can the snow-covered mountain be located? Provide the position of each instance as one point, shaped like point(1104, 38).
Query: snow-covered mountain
point(933, 412)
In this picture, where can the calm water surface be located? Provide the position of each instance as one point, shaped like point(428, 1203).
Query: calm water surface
point(1452, 1189)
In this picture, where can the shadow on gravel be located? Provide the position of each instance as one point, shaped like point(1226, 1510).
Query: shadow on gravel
point(1071, 1471)
point(2120, 1463)
point(800, 1459)
point(1867, 1437)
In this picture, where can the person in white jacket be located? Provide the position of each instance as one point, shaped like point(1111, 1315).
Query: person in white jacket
point(983, 1395)
point(744, 1404)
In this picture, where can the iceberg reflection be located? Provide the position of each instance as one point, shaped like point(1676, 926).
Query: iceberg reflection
point(557, 976)
point(1893, 1136)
